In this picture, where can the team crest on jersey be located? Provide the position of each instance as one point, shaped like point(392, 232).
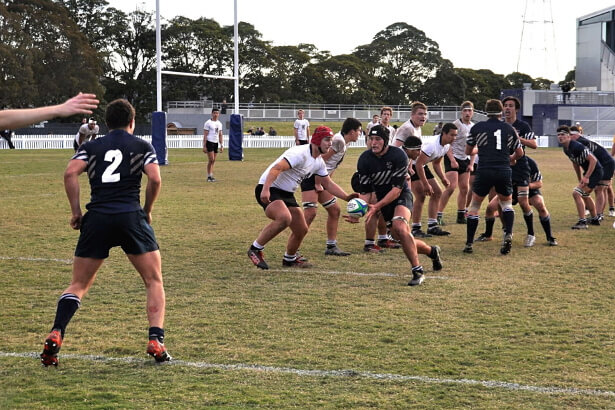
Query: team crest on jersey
point(389, 165)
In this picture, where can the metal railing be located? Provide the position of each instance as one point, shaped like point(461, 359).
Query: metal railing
point(249, 141)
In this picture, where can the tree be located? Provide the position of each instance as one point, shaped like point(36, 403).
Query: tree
point(402, 58)
point(481, 85)
point(446, 88)
point(35, 70)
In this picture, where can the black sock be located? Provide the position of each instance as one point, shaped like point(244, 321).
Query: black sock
point(471, 228)
point(156, 333)
point(546, 226)
point(509, 220)
point(489, 222)
point(67, 306)
point(529, 222)
point(433, 252)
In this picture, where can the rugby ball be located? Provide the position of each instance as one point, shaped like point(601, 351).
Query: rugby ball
point(357, 207)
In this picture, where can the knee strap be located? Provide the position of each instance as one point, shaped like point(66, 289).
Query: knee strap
point(578, 191)
point(399, 218)
point(523, 193)
point(506, 205)
point(307, 205)
point(474, 206)
point(330, 202)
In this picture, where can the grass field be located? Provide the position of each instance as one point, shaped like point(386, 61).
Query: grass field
point(534, 329)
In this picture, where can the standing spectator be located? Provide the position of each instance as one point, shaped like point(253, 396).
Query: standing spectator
point(7, 135)
point(494, 140)
point(223, 107)
point(301, 129)
point(212, 142)
point(275, 194)
point(565, 92)
point(437, 130)
point(115, 164)
point(86, 132)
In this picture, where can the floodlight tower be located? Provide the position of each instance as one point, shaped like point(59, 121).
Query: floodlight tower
point(537, 51)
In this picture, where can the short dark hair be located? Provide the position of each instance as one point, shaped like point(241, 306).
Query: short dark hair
point(563, 128)
point(350, 124)
point(119, 114)
point(213, 110)
point(447, 127)
point(515, 99)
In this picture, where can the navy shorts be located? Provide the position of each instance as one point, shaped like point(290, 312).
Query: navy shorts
point(498, 178)
point(211, 146)
point(608, 169)
point(521, 173)
point(101, 232)
point(595, 178)
point(276, 194)
point(531, 193)
point(302, 142)
point(462, 165)
point(405, 199)
point(415, 176)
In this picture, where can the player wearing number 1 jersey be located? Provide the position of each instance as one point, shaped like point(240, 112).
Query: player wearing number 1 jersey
point(493, 140)
point(114, 164)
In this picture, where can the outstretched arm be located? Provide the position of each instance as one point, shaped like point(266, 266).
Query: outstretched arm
point(19, 118)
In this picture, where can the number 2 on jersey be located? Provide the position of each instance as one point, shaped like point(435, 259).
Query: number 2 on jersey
point(113, 156)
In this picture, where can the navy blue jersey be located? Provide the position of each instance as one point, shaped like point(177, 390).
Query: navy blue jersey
point(495, 140)
point(115, 166)
point(535, 174)
point(524, 131)
point(601, 154)
point(380, 174)
point(578, 154)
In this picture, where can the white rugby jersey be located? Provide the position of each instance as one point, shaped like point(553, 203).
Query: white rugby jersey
point(214, 128)
point(85, 130)
point(302, 126)
point(338, 144)
point(406, 130)
point(459, 145)
point(434, 149)
point(302, 165)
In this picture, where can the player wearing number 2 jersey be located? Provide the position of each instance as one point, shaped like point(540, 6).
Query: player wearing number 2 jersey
point(114, 164)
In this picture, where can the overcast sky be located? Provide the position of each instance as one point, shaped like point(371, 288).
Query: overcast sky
point(472, 34)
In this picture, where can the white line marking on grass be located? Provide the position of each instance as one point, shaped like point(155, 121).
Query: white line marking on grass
point(21, 258)
point(380, 274)
point(492, 384)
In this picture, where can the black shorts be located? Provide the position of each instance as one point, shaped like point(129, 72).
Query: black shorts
point(595, 178)
point(405, 198)
point(211, 146)
point(521, 173)
point(415, 176)
point(274, 194)
point(462, 165)
point(309, 184)
point(608, 169)
point(498, 178)
point(302, 142)
point(101, 232)
point(531, 193)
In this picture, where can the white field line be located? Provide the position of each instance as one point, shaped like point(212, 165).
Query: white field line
point(22, 258)
point(379, 274)
point(492, 384)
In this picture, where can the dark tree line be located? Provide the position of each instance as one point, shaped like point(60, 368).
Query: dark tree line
point(53, 48)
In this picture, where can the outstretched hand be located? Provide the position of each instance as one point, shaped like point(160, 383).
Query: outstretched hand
point(79, 104)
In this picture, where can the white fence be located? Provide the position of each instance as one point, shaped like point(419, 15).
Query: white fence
point(196, 141)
